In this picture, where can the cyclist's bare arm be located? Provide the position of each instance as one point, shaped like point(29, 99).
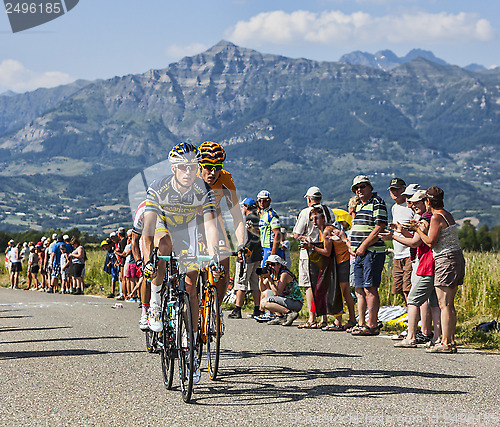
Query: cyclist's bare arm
point(136, 251)
point(148, 234)
point(239, 225)
point(210, 222)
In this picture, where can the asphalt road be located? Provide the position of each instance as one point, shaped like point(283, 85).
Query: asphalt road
point(72, 360)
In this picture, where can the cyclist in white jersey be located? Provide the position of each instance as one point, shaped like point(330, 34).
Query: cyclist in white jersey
point(177, 200)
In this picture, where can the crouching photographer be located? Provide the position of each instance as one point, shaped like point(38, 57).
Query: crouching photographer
point(280, 292)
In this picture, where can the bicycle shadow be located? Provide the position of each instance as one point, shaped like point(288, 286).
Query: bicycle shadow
point(266, 385)
point(245, 354)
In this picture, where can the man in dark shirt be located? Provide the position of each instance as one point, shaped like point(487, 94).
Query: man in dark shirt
point(249, 280)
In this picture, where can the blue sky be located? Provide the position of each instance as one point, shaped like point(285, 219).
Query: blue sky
point(104, 38)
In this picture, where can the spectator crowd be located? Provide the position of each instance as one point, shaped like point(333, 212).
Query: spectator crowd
point(339, 250)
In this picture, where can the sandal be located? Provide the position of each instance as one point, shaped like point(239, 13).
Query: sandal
point(406, 343)
point(307, 325)
point(365, 331)
point(348, 325)
point(356, 327)
point(321, 325)
point(333, 327)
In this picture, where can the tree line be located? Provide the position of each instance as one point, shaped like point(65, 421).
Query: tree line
point(482, 239)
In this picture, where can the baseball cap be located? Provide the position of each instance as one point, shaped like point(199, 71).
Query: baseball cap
point(65, 237)
point(396, 183)
point(313, 192)
point(263, 194)
point(112, 234)
point(411, 189)
point(104, 242)
point(419, 195)
point(11, 241)
point(121, 230)
point(275, 259)
point(43, 239)
point(54, 236)
point(359, 180)
point(129, 232)
point(248, 201)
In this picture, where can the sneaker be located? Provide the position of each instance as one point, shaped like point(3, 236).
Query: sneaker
point(154, 318)
point(400, 336)
point(264, 318)
point(257, 313)
point(278, 320)
point(143, 323)
point(235, 314)
point(110, 295)
point(421, 339)
point(406, 343)
point(289, 318)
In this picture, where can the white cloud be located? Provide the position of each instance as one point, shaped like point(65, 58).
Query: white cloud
point(335, 27)
point(176, 51)
point(14, 76)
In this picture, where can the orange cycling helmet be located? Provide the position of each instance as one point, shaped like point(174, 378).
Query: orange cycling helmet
point(211, 152)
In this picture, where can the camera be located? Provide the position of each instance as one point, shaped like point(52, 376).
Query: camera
point(261, 270)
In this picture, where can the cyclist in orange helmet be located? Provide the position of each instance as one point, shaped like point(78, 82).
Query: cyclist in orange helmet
point(222, 184)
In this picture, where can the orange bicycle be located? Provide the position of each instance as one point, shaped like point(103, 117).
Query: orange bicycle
point(210, 328)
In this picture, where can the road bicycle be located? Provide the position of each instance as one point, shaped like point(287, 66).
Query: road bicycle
point(210, 328)
point(176, 340)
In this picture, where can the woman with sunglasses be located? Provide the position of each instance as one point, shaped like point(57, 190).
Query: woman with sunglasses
point(222, 184)
point(280, 292)
point(449, 263)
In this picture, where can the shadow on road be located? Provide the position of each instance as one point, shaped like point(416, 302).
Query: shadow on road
point(13, 317)
point(261, 385)
point(238, 355)
point(59, 353)
point(2, 329)
point(62, 339)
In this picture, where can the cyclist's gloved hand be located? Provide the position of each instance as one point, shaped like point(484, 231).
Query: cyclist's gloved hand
point(243, 252)
point(140, 265)
point(217, 271)
point(149, 270)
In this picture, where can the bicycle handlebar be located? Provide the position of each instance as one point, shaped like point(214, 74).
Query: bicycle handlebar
point(201, 258)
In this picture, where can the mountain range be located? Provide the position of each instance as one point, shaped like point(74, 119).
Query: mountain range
point(68, 153)
point(387, 60)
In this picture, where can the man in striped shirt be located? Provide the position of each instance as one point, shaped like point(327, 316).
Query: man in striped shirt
point(369, 221)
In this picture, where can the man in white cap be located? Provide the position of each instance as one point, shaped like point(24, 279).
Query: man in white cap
point(402, 214)
point(303, 228)
point(370, 220)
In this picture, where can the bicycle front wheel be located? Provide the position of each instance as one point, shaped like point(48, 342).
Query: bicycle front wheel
point(167, 352)
point(213, 333)
point(185, 347)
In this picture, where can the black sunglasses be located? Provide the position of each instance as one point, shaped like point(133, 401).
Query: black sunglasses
point(360, 186)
